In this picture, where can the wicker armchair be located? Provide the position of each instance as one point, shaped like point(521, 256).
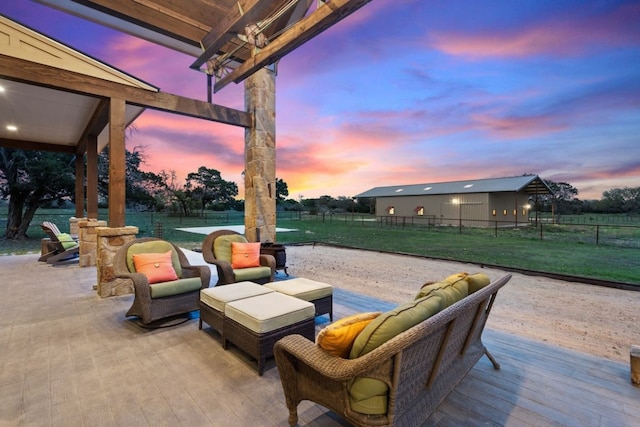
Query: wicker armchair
point(221, 258)
point(421, 365)
point(150, 308)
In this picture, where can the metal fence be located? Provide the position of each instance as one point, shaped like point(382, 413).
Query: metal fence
point(613, 230)
point(621, 231)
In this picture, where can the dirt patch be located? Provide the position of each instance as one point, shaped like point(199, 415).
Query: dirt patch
point(596, 320)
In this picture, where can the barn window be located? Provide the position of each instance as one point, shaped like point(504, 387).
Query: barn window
point(391, 210)
point(419, 210)
point(504, 212)
point(515, 212)
point(493, 212)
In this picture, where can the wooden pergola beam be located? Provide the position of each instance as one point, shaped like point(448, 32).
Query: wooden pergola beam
point(36, 146)
point(55, 78)
point(246, 13)
point(304, 30)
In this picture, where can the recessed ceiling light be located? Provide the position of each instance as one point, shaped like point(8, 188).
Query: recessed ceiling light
point(12, 128)
point(399, 190)
point(2, 89)
point(427, 188)
point(468, 186)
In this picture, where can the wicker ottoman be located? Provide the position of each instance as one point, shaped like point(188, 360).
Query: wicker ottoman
point(318, 293)
point(213, 301)
point(255, 324)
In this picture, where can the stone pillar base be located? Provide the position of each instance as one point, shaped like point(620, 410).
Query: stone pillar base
point(88, 241)
point(109, 240)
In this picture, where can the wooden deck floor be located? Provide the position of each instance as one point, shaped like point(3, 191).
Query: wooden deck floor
point(538, 384)
point(70, 358)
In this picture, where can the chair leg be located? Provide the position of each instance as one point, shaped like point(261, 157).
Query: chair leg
point(496, 365)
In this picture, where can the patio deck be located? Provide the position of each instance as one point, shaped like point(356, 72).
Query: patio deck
point(70, 358)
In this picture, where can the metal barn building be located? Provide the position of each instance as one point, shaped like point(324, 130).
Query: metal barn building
point(473, 203)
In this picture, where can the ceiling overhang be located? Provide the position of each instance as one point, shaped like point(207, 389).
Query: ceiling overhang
point(55, 98)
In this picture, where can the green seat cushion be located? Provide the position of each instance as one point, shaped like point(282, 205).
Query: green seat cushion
point(154, 246)
point(66, 240)
point(251, 273)
point(175, 287)
point(222, 245)
point(368, 395)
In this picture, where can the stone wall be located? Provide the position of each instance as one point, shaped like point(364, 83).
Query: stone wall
point(109, 240)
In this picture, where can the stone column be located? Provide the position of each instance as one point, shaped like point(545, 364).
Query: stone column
point(260, 157)
point(88, 241)
point(109, 241)
point(74, 228)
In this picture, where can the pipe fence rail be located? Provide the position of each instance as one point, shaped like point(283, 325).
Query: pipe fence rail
point(611, 230)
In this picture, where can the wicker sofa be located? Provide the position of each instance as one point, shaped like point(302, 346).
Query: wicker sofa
point(420, 366)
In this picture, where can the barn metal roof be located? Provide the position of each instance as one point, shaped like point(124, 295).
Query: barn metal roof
point(530, 184)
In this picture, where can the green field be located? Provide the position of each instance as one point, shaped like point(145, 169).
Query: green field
point(608, 251)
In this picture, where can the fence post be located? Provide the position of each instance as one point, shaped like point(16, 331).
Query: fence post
point(158, 233)
point(597, 234)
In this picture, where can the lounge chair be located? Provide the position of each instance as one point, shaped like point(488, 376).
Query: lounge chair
point(160, 297)
point(62, 246)
point(217, 249)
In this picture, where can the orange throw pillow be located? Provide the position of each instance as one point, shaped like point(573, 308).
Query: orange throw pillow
point(338, 337)
point(156, 266)
point(245, 255)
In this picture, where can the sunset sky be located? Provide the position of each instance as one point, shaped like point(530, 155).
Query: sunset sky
point(409, 92)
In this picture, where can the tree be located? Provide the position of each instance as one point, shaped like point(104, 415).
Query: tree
point(562, 201)
point(621, 200)
point(173, 195)
point(31, 179)
point(208, 186)
point(282, 190)
point(141, 186)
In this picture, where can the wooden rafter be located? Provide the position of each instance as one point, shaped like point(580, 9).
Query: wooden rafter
point(246, 12)
point(304, 30)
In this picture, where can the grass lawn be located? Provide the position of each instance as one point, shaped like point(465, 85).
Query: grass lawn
point(563, 250)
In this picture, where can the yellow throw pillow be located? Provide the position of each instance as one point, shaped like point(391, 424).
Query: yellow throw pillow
point(244, 255)
point(477, 281)
point(338, 337)
point(451, 290)
point(156, 266)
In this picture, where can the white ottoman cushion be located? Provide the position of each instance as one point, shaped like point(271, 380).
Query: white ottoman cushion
point(268, 312)
point(218, 296)
point(302, 288)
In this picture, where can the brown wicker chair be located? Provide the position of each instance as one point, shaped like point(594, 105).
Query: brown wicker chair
point(226, 274)
point(421, 365)
point(150, 309)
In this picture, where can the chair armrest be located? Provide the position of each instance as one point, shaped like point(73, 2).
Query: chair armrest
point(225, 271)
point(267, 260)
point(327, 365)
point(140, 283)
point(201, 271)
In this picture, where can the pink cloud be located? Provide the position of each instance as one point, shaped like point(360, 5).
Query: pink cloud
point(517, 127)
point(570, 35)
